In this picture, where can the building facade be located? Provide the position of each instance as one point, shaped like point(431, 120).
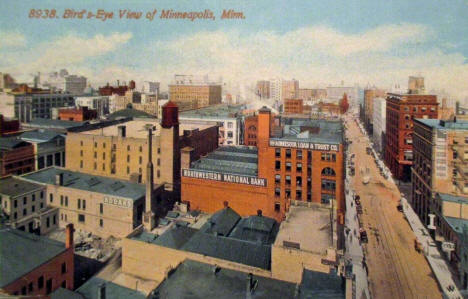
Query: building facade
point(289, 89)
point(379, 122)
point(8, 127)
point(293, 106)
point(49, 148)
point(369, 96)
point(401, 109)
point(192, 92)
point(98, 103)
point(263, 89)
point(336, 93)
point(49, 266)
point(304, 155)
point(77, 114)
point(16, 156)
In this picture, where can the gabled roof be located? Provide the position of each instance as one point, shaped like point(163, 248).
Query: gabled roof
point(222, 222)
point(22, 252)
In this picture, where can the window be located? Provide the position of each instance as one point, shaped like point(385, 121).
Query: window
point(81, 218)
point(230, 134)
point(406, 108)
point(25, 200)
point(159, 174)
point(15, 215)
point(140, 160)
point(423, 109)
point(33, 209)
point(328, 185)
point(81, 164)
point(103, 156)
point(288, 153)
point(159, 162)
point(288, 166)
point(66, 201)
point(84, 204)
point(298, 181)
point(298, 195)
point(327, 171)
point(299, 154)
point(95, 144)
point(61, 200)
point(81, 153)
point(42, 205)
point(42, 194)
point(79, 203)
point(81, 143)
point(25, 212)
point(128, 170)
point(299, 167)
point(277, 191)
point(128, 158)
point(277, 152)
point(64, 268)
point(15, 203)
point(288, 180)
point(101, 208)
point(128, 147)
point(48, 222)
point(30, 287)
point(277, 165)
point(277, 178)
point(230, 125)
point(95, 165)
point(104, 145)
point(141, 148)
point(33, 197)
point(95, 154)
point(23, 290)
point(54, 219)
point(415, 109)
point(101, 223)
point(326, 198)
point(159, 150)
point(277, 206)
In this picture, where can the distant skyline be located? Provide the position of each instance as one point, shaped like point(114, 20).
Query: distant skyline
point(315, 42)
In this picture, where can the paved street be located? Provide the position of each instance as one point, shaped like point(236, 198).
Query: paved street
point(396, 269)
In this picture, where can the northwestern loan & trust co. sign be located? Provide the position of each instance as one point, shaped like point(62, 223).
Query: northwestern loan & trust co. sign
point(304, 145)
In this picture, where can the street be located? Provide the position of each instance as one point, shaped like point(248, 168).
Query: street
point(396, 269)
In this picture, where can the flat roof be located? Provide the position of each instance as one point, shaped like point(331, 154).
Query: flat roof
point(310, 227)
point(456, 224)
point(89, 182)
point(12, 186)
point(444, 124)
point(241, 160)
point(453, 198)
point(39, 136)
point(310, 130)
point(22, 252)
point(9, 143)
point(55, 123)
point(220, 111)
point(113, 291)
point(192, 279)
point(136, 128)
point(321, 285)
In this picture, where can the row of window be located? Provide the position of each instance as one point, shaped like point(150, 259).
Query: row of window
point(114, 147)
point(29, 288)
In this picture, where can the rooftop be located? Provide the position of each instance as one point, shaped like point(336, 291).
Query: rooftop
point(136, 128)
point(129, 112)
point(16, 256)
point(302, 223)
point(88, 182)
point(220, 111)
point(310, 130)
point(39, 136)
point(443, 124)
point(54, 123)
point(9, 143)
point(12, 186)
point(193, 279)
point(241, 160)
point(457, 224)
point(113, 291)
point(321, 285)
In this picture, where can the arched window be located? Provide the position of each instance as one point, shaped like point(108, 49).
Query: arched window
point(327, 171)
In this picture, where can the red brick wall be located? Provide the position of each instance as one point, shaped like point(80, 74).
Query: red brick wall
point(23, 155)
point(51, 269)
point(293, 106)
point(250, 132)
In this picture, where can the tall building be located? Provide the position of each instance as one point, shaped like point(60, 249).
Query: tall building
point(63, 81)
point(276, 89)
point(119, 149)
point(400, 111)
point(192, 92)
point(369, 96)
point(290, 89)
point(416, 85)
point(293, 106)
point(379, 122)
point(150, 87)
point(263, 89)
point(303, 155)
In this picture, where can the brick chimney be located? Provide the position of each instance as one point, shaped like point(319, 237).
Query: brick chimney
point(69, 236)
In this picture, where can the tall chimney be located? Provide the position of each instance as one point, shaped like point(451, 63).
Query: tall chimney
point(59, 179)
point(148, 217)
point(69, 230)
point(101, 291)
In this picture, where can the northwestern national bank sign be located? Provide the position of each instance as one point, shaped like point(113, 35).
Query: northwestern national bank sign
point(224, 177)
point(304, 145)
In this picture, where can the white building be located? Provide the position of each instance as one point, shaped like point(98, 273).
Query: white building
point(98, 103)
point(379, 118)
point(62, 81)
point(276, 89)
point(150, 87)
point(74, 84)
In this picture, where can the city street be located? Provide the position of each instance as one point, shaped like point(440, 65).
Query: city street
point(396, 269)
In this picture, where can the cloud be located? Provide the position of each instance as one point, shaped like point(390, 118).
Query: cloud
point(9, 39)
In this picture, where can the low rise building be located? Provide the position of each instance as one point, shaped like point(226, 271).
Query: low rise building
point(104, 206)
point(77, 114)
point(34, 266)
point(229, 117)
point(23, 206)
point(96, 102)
point(293, 106)
point(16, 156)
point(49, 148)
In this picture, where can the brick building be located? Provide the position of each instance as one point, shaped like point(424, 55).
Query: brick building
point(401, 110)
point(77, 114)
point(369, 96)
point(16, 156)
point(293, 106)
point(35, 266)
point(193, 93)
point(305, 155)
point(8, 126)
point(110, 90)
point(263, 89)
point(289, 89)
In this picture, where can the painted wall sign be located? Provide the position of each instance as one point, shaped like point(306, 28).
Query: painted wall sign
point(224, 177)
point(124, 203)
point(304, 145)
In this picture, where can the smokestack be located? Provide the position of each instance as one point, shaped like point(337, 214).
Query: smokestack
point(101, 291)
point(69, 230)
point(122, 131)
point(59, 179)
point(148, 217)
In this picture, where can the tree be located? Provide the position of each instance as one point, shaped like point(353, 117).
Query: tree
point(344, 105)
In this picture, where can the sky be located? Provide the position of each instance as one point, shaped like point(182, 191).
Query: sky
point(319, 43)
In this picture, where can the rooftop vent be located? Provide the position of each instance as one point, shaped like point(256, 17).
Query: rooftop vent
point(116, 186)
point(92, 182)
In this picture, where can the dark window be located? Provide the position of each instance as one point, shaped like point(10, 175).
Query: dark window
point(277, 152)
point(23, 290)
point(299, 167)
point(81, 218)
point(64, 268)
point(33, 209)
point(288, 153)
point(42, 194)
point(288, 166)
point(101, 223)
point(277, 191)
point(288, 180)
point(328, 171)
point(277, 178)
point(101, 208)
point(84, 204)
point(30, 287)
point(79, 203)
point(34, 197)
point(328, 185)
point(55, 219)
point(49, 286)
point(66, 201)
point(15, 203)
point(48, 222)
point(299, 154)
point(64, 283)
point(277, 206)
point(25, 200)
point(277, 165)
point(61, 200)
point(15, 215)
point(25, 212)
